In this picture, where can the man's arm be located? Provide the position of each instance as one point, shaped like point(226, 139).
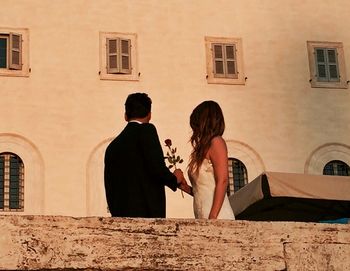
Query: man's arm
point(154, 157)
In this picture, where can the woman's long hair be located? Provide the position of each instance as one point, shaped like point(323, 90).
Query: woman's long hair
point(207, 122)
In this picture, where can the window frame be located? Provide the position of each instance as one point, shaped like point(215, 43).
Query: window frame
point(22, 68)
point(334, 164)
point(7, 183)
point(107, 73)
point(238, 78)
point(232, 183)
point(315, 80)
point(3, 36)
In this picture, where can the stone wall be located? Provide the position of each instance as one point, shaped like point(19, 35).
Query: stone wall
point(68, 243)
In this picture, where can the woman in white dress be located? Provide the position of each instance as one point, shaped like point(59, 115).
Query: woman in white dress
point(208, 170)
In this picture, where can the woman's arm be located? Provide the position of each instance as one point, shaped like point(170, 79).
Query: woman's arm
point(218, 156)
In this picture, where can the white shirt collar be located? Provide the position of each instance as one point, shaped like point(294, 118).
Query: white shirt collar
point(139, 122)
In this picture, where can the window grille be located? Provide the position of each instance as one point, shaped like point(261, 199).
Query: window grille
point(337, 168)
point(238, 176)
point(11, 182)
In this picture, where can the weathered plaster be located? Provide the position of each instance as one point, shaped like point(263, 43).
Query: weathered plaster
point(96, 243)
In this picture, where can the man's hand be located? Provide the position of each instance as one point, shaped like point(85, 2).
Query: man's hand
point(179, 176)
point(181, 181)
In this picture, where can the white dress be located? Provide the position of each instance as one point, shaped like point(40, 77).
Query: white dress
point(203, 186)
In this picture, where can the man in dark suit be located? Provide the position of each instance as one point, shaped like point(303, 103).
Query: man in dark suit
point(135, 173)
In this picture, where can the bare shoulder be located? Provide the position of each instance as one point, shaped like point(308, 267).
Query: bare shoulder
point(217, 148)
point(218, 142)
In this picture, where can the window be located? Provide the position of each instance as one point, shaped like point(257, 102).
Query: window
point(11, 182)
point(238, 176)
point(327, 65)
point(14, 52)
point(11, 51)
point(118, 56)
point(337, 168)
point(224, 60)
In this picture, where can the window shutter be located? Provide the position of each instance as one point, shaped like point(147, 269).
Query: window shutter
point(218, 59)
point(333, 65)
point(112, 56)
point(321, 64)
point(15, 51)
point(327, 65)
point(231, 63)
point(125, 64)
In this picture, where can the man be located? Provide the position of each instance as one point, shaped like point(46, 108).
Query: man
point(135, 172)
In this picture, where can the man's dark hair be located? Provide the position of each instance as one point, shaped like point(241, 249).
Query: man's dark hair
point(137, 105)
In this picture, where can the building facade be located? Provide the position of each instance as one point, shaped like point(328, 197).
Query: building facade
point(66, 67)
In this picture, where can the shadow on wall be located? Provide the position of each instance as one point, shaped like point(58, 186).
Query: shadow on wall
point(96, 204)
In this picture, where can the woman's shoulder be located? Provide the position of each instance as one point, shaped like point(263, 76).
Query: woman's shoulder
point(217, 141)
point(217, 147)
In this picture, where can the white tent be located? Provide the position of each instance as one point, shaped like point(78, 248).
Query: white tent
point(274, 196)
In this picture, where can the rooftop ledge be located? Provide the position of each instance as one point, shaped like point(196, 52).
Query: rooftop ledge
point(95, 243)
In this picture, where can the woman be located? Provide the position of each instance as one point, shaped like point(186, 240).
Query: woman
point(208, 170)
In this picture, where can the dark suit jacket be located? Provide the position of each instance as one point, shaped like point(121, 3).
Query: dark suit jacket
point(135, 173)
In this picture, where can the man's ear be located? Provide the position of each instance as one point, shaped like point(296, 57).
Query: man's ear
point(126, 117)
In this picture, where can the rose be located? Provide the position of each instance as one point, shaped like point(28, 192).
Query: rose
point(168, 142)
point(172, 158)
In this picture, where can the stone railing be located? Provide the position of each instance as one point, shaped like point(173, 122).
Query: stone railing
point(67, 243)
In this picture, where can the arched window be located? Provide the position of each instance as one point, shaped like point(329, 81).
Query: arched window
point(11, 182)
point(238, 176)
point(336, 167)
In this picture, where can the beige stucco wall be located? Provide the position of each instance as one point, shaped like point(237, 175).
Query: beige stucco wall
point(275, 122)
